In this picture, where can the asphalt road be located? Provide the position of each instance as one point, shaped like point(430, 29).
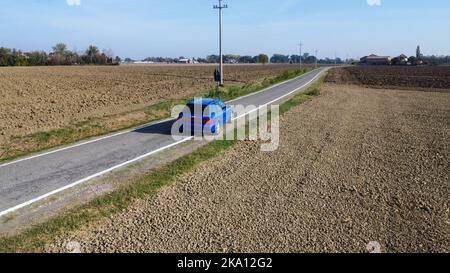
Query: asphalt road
point(28, 180)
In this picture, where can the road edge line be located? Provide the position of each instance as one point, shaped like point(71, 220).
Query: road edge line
point(132, 129)
point(34, 200)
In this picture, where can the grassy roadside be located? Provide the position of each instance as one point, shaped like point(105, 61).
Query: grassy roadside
point(235, 91)
point(312, 91)
point(36, 238)
point(21, 146)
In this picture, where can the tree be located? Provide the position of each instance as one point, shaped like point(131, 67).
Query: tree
point(109, 54)
point(71, 58)
point(18, 58)
point(412, 60)
point(59, 54)
point(5, 56)
point(279, 59)
point(128, 60)
point(37, 58)
point(202, 60)
point(91, 52)
point(295, 59)
point(60, 49)
point(263, 59)
point(213, 59)
point(230, 58)
point(246, 60)
point(418, 53)
point(310, 59)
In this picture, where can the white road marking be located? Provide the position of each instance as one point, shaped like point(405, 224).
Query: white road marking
point(34, 200)
point(131, 130)
point(282, 97)
point(270, 87)
point(85, 142)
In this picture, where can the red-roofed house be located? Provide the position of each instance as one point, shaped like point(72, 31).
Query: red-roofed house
point(376, 60)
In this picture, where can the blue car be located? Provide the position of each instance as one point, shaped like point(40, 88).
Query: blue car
point(205, 115)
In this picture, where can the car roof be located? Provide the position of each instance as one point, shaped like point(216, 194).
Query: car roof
point(203, 101)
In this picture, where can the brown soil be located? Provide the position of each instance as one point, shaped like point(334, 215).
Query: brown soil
point(43, 98)
point(425, 78)
point(355, 165)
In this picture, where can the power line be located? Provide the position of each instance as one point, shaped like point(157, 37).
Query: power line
point(220, 7)
point(300, 57)
point(316, 57)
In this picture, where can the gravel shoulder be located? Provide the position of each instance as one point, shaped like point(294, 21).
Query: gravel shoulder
point(354, 165)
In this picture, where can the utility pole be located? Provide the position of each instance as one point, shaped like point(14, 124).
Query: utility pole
point(220, 7)
point(300, 57)
point(316, 57)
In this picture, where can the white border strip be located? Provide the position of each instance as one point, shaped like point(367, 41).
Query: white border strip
point(34, 200)
point(282, 97)
point(85, 142)
point(273, 86)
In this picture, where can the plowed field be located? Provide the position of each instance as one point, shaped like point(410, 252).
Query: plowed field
point(39, 99)
point(424, 78)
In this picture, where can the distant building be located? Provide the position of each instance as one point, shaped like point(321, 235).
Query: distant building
point(376, 60)
point(400, 60)
point(143, 62)
point(184, 61)
point(230, 61)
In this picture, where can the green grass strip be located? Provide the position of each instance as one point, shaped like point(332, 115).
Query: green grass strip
point(37, 237)
point(93, 128)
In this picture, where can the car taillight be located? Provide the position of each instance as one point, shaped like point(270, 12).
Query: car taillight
point(208, 121)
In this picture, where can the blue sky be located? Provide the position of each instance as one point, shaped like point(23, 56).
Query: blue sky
point(141, 28)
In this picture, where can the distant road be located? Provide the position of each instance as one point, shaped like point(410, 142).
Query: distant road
point(31, 179)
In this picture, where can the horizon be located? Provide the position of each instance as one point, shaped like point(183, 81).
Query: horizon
point(139, 29)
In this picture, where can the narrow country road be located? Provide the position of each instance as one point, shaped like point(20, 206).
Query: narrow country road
point(28, 180)
point(356, 168)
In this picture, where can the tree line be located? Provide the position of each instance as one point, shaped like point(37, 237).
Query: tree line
point(246, 59)
point(232, 58)
point(263, 58)
point(436, 60)
point(60, 55)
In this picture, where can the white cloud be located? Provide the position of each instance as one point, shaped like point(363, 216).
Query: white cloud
point(374, 2)
point(73, 2)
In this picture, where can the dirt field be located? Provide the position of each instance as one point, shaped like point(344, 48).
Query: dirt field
point(36, 99)
point(355, 165)
point(398, 77)
point(44, 107)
